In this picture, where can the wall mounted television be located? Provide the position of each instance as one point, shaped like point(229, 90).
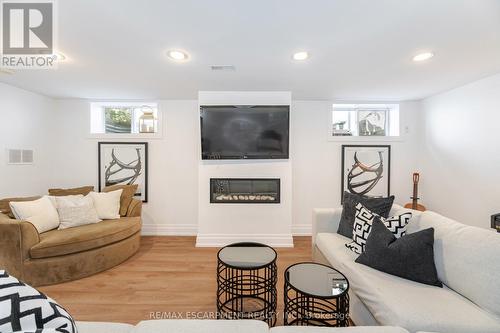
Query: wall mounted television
point(245, 132)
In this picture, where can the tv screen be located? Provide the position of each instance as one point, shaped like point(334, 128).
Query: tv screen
point(244, 132)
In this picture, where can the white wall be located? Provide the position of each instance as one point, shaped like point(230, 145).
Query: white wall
point(26, 120)
point(66, 156)
point(317, 161)
point(173, 163)
point(461, 152)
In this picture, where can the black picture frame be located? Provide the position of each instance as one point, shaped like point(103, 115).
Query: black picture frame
point(146, 163)
point(342, 169)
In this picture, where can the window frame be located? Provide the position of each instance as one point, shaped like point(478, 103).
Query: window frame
point(393, 114)
point(98, 107)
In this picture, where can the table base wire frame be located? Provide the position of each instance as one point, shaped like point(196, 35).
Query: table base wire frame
point(247, 293)
point(306, 310)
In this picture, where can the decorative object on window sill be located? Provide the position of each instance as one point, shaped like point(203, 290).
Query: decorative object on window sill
point(414, 204)
point(147, 122)
point(495, 222)
point(339, 130)
point(366, 170)
point(372, 122)
point(124, 163)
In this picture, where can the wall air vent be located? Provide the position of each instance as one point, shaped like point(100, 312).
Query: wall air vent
point(20, 156)
point(226, 68)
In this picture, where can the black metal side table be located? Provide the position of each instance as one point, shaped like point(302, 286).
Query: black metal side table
point(316, 295)
point(246, 282)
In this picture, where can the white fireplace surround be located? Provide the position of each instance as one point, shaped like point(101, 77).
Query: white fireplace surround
point(222, 224)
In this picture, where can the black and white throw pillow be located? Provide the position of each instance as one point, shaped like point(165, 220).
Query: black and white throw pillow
point(380, 206)
point(363, 223)
point(23, 308)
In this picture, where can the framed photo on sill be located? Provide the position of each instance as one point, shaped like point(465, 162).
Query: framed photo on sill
point(124, 163)
point(366, 170)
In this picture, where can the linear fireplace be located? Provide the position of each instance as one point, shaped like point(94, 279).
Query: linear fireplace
point(245, 190)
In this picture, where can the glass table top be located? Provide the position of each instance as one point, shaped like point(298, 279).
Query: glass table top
point(317, 280)
point(247, 256)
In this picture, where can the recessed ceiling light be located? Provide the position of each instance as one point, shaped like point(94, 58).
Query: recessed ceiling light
point(177, 55)
point(59, 57)
point(423, 56)
point(303, 55)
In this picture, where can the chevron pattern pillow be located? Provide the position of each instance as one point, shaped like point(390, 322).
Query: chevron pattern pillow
point(363, 223)
point(25, 309)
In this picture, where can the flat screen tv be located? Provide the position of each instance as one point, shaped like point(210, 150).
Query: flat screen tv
point(245, 132)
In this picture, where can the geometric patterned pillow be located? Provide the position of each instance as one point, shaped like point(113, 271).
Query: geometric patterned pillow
point(23, 308)
point(363, 224)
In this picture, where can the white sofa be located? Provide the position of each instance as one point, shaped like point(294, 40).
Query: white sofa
point(467, 261)
point(218, 326)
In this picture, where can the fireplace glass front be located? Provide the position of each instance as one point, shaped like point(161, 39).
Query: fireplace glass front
point(245, 190)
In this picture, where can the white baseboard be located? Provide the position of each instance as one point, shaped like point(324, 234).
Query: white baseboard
point(219, 240)
point(169, 229)
point(280, 240)
point(302, 230)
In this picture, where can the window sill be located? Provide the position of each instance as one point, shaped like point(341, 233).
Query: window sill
point(366, 138)
point(136, 136)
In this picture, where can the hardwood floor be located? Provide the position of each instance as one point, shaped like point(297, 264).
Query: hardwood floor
point(167, 275)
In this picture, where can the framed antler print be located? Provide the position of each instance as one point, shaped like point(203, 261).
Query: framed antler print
point(124, 163)
point(366, 170)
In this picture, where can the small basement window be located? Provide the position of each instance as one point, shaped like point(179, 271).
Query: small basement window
point(365, 120)
point(119, 118)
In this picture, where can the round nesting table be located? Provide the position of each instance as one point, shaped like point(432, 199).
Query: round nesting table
point(315, 294)
point(246, 282)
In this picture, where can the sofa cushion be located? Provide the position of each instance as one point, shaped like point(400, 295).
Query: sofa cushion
point(360, 329)
point(399, 302)
point(60, 242)
point(467, 259)
point(126, 197)
point(75, 211)
point(410, 257)
point(41, 213)
point(380, 206)
point(5, 205)
point(23, 308)
point(107, 204)
point(394, 301)
point(332, 246)
point(201, 326)
point(103, 327)
point(84, 190)
point(363, 224)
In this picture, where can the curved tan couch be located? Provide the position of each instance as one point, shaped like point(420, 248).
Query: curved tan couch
point(64, 255)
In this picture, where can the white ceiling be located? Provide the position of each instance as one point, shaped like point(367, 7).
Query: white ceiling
point(360, 49)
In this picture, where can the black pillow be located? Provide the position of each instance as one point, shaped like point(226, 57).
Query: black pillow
point(410, 257)
point(379, 206)
point(29, 309)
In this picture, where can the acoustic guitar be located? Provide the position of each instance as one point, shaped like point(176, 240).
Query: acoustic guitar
point(414, 204)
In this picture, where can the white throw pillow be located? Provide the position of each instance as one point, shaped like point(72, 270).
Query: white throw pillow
point(107, 204)
point(75, 211)
point(52, 198)
point(41, 213)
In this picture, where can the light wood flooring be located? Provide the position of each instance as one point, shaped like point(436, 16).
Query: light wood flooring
point(167, 275)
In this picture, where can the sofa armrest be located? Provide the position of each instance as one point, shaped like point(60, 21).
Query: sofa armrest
point(135, 208)
point(16, 240)
point(325, 220)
